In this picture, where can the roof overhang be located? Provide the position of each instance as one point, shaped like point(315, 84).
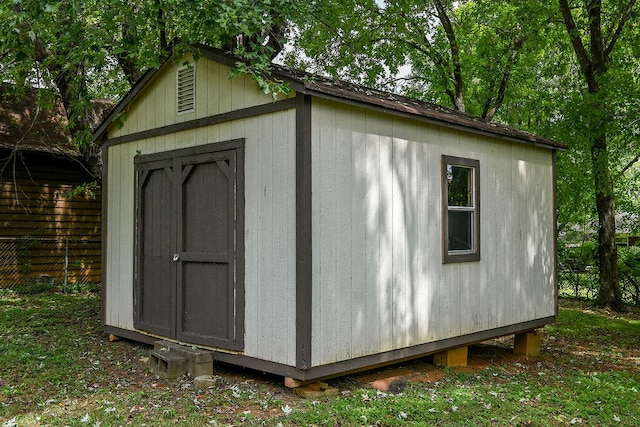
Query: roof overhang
point(345, 92)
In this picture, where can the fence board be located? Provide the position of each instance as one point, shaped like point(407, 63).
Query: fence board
point(37, 221)
point(24, 261)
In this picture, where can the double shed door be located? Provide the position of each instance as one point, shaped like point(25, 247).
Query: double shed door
point(189, 268)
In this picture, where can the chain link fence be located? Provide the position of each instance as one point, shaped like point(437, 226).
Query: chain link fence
point(577, 278)
point(31, 262)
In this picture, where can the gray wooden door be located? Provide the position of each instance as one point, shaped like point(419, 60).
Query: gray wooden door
point(190, 238)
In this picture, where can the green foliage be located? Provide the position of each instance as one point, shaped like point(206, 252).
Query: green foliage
point(86, 49)
point(578, 269)
point(630, 273)
point(87, 189)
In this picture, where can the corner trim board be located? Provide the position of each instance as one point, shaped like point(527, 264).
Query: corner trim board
point(304, 251)
point(555, 230)
point(103, 231)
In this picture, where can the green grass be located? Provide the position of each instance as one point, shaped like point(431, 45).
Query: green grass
point(57, 368)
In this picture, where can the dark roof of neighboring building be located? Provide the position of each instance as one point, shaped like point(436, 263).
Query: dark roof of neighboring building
point(24, 126)
point(316, 85)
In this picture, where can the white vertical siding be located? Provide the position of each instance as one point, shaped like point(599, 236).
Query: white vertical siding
point(216, 93)
point(344, 244)
point(378, 279)
point(269, 200)
point(358, 257)
point(112, 221)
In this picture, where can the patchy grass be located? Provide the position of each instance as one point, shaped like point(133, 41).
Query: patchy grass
point(57, 368)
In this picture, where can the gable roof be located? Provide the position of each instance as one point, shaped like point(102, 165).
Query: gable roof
point(342, 91)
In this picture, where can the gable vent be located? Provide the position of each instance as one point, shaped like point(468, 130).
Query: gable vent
point(186, 89)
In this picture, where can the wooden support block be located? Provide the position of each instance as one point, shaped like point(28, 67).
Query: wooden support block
point(293, 383)
point(527, 344)
point(451, 358)
point(316, 390)
point(113, 338)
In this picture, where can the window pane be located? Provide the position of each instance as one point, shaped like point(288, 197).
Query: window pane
point(460, 185)
point(460, 231)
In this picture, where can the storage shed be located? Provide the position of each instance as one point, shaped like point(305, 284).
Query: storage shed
point(335, 229)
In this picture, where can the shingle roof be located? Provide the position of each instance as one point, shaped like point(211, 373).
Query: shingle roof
point(27, 127)
point(317, 85)
point(390, 101)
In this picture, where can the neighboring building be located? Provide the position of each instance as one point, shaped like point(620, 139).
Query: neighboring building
point(335, 229)
point(39, 169)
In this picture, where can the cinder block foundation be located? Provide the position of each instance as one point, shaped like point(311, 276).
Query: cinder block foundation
point(527, 344)
point(169, 363)
point(451, 358)
point(176, 360)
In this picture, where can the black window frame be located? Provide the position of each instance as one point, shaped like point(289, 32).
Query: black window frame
point(452, 256)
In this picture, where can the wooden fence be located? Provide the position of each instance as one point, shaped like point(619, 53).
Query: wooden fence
point(49, 229)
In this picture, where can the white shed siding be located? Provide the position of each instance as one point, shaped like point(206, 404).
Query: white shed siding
point(269, 201)
point(216, 93)
point(378, 279)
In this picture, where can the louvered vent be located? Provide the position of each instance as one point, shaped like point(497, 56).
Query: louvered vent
point(186, 89)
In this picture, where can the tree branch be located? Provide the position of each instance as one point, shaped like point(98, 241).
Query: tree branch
point(574, 35)
point(458, 82)
point(628, 165)
point(598, 60)
point(616, 34)
point(441, 65)
point(489, 114)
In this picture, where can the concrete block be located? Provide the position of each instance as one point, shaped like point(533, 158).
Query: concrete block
point(527, 344)
point(199, 361)
point(451, 358)
point(169, 363)
point(200, 369)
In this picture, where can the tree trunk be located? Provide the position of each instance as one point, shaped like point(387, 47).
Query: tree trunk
point(609, 293)
point(593, 65)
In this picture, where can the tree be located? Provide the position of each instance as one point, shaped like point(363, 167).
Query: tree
point(462, 54)
point(594, 37)
point(82, 49)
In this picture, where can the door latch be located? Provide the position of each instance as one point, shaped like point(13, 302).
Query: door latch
point(176, 257)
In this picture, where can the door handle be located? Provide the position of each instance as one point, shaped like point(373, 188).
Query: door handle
point(176, 257)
